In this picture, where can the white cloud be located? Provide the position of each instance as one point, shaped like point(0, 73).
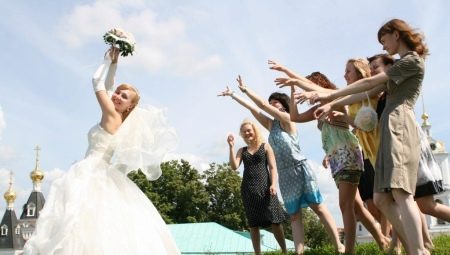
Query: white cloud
point(162, 43)
point(198, 162)
point(6, 153)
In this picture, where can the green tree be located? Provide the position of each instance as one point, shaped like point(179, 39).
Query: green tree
point(179, 195)
point(315, 233)
point(225, 204)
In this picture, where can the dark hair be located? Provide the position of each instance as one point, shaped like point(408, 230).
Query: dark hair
point(321, 80)
point(413, 39)
point(387, 59)
point(282, 98)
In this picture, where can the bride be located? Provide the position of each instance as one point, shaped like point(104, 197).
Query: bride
point(94, 208)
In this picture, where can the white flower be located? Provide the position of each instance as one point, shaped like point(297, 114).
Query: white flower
point(122, 39)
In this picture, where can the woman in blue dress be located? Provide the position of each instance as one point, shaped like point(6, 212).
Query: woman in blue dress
point(297, 181)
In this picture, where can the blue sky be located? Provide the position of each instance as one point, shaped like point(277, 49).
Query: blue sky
point(187, 52)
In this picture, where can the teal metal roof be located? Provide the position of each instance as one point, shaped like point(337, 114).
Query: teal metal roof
point(268, 239)
point(212, 238)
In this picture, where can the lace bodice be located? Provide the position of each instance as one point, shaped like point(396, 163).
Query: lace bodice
point(100, 143)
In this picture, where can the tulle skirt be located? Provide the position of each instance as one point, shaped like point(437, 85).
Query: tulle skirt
point(94, 210)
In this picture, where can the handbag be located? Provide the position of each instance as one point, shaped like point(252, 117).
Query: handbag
point(366, 118)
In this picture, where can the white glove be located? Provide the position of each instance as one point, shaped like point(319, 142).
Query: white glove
point(99, 78)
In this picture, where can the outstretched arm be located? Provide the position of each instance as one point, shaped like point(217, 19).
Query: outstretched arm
point(295, 115)
point(109, 81)
point(348, 99)
point(361, 85)
point(279, 67)
point(263, 104)
point(110, 120)
point(355, 98)
point(265, 121)
point(302, 83)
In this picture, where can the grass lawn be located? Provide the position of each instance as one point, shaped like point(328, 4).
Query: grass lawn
point(441, 244)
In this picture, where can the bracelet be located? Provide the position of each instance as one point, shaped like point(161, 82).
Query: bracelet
point(244, 90)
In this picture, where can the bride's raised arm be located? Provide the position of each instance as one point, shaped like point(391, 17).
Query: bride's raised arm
point(103, 81)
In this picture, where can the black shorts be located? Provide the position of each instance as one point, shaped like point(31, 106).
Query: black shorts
point(429, 188)
point(365, 186)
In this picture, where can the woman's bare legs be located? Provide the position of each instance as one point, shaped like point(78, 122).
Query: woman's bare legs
point(400, 209)
point(427, 241)
point(298, 232)
point(369, 222)
point(278, 232)
point(428, 206)
point(256, 240)
point(385, 225)
point(347, 193)
point(328, 222)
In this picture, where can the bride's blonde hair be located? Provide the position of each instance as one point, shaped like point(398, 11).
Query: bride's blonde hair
point(134, 100)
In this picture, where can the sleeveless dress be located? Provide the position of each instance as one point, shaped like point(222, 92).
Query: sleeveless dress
point(94, 209)
point(261, 208)
point(399, 151)
point(297, 180)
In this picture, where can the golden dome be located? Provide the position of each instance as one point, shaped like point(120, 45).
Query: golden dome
point(37, 175)
point(424, 116)
point(10, 195)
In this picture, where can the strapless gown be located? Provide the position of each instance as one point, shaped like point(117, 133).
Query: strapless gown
point(94, 209)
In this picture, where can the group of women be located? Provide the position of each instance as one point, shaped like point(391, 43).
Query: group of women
point(378, 164)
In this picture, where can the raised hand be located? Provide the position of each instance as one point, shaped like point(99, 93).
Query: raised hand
point(320, 97)
point(276, 66)
point(283, 82)
point(301, 97)
point(114, 54)
point(322, 111)
point(326, 161)
point(230, 140)
point(241, 84)
point(227, 92)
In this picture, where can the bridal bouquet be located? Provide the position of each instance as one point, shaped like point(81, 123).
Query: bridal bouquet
point(121, 39)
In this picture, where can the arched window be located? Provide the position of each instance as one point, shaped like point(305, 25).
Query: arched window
point(4, 230)
point(18, 230)
point(31, 209)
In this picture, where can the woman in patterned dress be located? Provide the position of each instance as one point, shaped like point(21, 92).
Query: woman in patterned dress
point(297, 181)
point(399, 151)
point(258, 188)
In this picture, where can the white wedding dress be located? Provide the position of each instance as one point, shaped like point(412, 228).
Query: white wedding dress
point(95, 209)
